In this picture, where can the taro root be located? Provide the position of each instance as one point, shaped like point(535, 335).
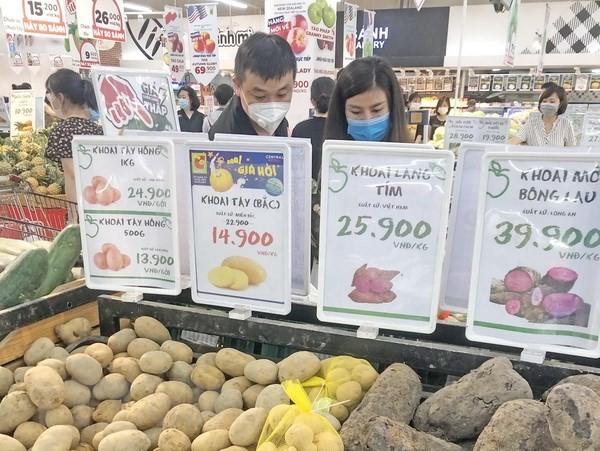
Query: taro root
point(539, 293)
point(560, 305)
point(521, 279)
point(504, 296)
point(372, 285)
point(513, 306)
point(560, 278)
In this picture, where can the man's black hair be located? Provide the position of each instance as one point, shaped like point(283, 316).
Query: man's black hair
point(267, 55)
point(223, 94)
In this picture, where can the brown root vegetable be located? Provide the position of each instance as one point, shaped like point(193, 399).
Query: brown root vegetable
point(533, 313)
point(503, 297)
point(73, 330)
point(497, 286)
point(521, 279)
point(371, 297)
point(560, 278)
point(539, 293)
point(360, 272)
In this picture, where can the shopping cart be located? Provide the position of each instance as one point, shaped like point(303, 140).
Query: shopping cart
point(26, 215)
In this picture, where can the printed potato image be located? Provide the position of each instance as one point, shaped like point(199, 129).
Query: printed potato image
point(100, 192)
point(526, 294)
point(373, 285)
point(237, 273)
point(110, 257)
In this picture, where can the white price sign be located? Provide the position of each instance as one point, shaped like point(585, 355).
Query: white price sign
point(460, 129)
point(35, 17)
point(535, 281)
point(4, 116)
point(22, 112)
point(240, 225)
point(383, 226)
point(591, 130)
point(101, 19)
point(127, 205)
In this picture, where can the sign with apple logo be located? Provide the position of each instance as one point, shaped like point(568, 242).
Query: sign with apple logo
point(204, 35)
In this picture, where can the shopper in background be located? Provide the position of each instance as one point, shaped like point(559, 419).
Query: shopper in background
point(551, 128)
point(264, 74)
point(71, 98)
point(222, 95)
point(367, 104)
point(472, 106)
point(414, 104)
point(190, 119)
point(440, 113)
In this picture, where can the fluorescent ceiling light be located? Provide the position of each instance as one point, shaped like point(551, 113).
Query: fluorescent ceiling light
point(137, 8)
point(234, 3)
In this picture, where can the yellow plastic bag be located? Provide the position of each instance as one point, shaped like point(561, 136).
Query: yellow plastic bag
point(297, 427)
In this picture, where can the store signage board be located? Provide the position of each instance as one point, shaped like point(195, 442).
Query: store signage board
point(461, 129)
point(535, 280)
point(350, 35)
point(4, 116)
point(181, 169)
point(301, 164)
point(203, 32)
point(383, 226)
point(129, 226)
point(132, 100)
point(176, 30)
point(101, 19)
point(22, 111)
point(591, 130)
point(240, 226)
point(38, 17)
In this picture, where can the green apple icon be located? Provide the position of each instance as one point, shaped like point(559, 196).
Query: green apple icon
point(328, 17)
point(499, 182)
point(315, 13)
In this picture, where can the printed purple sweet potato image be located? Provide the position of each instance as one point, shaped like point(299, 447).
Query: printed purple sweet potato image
point(372, 285)
point(525, 293)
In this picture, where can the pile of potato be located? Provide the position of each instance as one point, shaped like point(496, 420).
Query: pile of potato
point(142, 391)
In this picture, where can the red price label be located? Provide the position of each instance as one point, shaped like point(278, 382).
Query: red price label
point(175, 68)
point(200, 70)
point(241, 237)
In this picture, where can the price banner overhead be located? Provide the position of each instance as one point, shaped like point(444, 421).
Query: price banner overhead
point(176, 30)
point(461, 129)
point(535, 280)
point(128, 209)
point(383, 226)
point(204, 36)
point(101, 19)
point(240, 199)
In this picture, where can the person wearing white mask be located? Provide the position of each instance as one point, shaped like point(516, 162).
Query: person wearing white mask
point(438, 119)
point(551, 128)
point(414, 104)
point(264, 74)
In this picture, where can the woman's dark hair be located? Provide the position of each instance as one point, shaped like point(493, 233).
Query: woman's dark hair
point(70, 84)
point(413, 96)
point(441, 101)
point(320, 92)
point(21, 86)
point(267, 55)
point(194, 100)
point(560, 93)
point(223, 94)
point(360, 76)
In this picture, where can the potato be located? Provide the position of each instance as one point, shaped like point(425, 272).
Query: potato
point(212, 441)
point(221, 276)
point(228, 399)
point(240, 383)
point(185, 417)
point(79, 350)
point(45, 387)
point(18, 386)
point(328, 441)
point(301, 365)
point(38, 351)
point(140, 346)
point(174, 440)
point(207, 400)
point(339, 411)
point(207, 377)
point(101, 352)
point(153, 434)
point(249, 396)
point(350, 393)
point(88, 433)
point(56, 438)
point(119, 341)
point(156, 362)
point(235, 448)
point(232, 362)
point(180, 371)
point(106, 411)
point(240, 280)
point(84, 369)
point(144, 385)
point(255, 272)
point(59, 415)
point(208, 358)
point(298, 435)
point(111, 386)
point(27, 433)
point(82, 416)
point(147, 327)
point(276, 414)
point(73, 330)
point(333, 421)
point(268, 446)
point(121, 415)
point(127, 366)
point(125, 440)
point(207, 415)
point(271, 396)
point(84, 447)
point(56, 365)
point(7, 443)
point(365, 375)
point(246, 428)
point(76, 394)
point(58, 353)
point(7, 378)
point(222, 420)
point(19, 373)
point(178, 351)
point(118, 426)
point(149, 411)
point(261, 371)
point(178, 392)
point(314, 421)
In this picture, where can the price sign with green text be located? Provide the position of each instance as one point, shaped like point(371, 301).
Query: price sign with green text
point(590, 135)
point(128, 213)
point(462, 129)
point(537, 253)
point(241, 225)
point(383, 225)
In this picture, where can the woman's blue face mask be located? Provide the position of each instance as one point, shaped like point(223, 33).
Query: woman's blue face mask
point(375, 129)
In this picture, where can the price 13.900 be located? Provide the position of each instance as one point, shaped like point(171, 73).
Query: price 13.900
point(522, 235)
point(383, 228)
point(154, 259)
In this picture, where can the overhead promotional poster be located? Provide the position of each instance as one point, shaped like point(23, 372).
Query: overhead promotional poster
point(369, 26)
point(240, 198)
point(176, 33)
point(101, 19)
point(22, 111)
point(129, 99)
point(350, 18)
point(204, 38)
point(461, 129)
point(128, 210)
point(83, 51)
point(35, 17)
point(535, 280)
point(383, 227)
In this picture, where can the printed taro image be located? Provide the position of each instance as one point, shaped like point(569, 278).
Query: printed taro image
point(548, 299)
point(372, 285)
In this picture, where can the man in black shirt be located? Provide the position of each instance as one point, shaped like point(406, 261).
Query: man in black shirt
point(264, 74)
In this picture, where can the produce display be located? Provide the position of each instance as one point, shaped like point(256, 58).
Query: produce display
point(24, 156)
